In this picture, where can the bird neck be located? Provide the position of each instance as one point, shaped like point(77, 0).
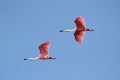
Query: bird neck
point(68, 30)
point(32, 59)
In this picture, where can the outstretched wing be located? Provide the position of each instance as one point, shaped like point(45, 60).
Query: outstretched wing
point(80, 23)
point(79, 35)
point(44, 49)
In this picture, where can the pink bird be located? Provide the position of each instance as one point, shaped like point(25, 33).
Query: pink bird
point(80, 29)
point(43, 53)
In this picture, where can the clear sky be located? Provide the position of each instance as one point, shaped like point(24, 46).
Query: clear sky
point(25, 24)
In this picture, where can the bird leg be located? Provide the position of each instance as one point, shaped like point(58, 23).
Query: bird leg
point(90, 30)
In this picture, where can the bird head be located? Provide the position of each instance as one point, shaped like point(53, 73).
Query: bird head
point(61, 30)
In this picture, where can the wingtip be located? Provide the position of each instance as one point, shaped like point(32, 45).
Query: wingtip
point(79, 17)
point(79, 42)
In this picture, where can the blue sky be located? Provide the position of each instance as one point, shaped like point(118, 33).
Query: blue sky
point(25, 24)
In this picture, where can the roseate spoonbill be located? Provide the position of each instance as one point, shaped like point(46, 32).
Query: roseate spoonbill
point(80, 29)
point(43, 53)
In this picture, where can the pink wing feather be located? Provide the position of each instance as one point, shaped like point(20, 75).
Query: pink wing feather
point(80, 23)
point(79, 35)
point(44, 49)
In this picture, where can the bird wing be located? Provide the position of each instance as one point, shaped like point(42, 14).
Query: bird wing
point(79, 35)
point(44, 49)
point(80, 23)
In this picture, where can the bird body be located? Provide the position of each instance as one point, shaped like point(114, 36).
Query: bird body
point(80, 29)
point(43, 52)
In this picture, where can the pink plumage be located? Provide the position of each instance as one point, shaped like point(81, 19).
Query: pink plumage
point(79, 35)
point(44, 50)
point(80, 23)
point(80, 29)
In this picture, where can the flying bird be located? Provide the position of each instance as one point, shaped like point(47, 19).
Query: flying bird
point(79, 30)
point(43, 53)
